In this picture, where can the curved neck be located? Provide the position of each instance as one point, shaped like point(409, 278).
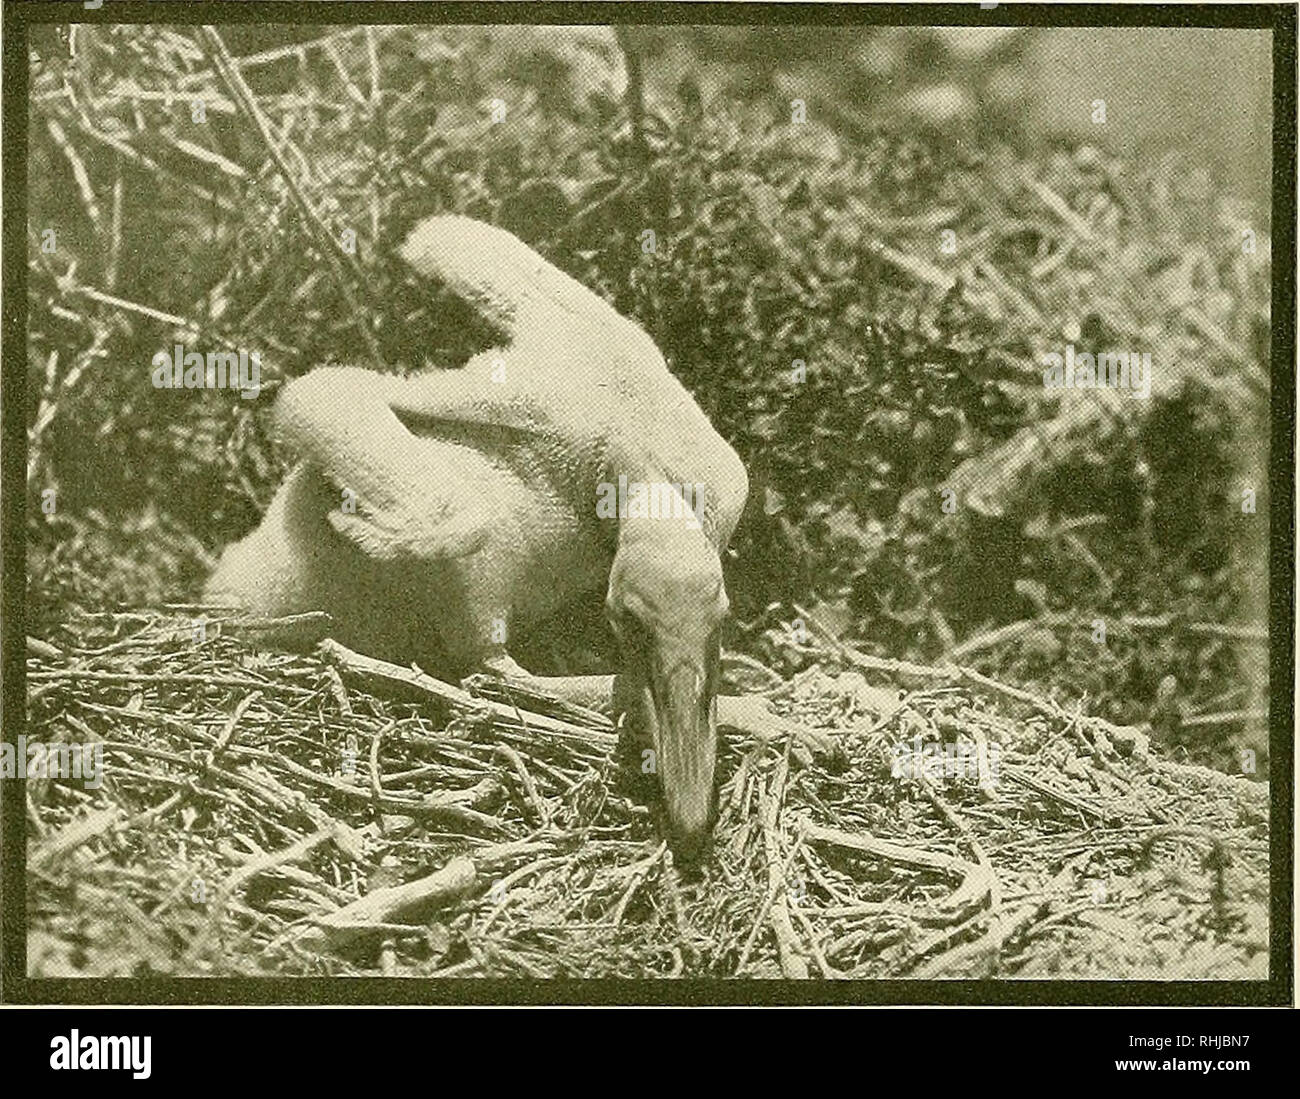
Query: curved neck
point(655, 508)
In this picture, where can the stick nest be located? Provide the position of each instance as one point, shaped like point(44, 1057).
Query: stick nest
point(264, 813)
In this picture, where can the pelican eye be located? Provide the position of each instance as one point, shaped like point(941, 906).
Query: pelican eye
point(627, 627)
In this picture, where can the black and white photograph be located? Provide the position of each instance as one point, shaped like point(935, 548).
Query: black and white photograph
point(790, 499)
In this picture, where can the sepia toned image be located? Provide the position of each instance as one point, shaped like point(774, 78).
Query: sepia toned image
point(765, 502)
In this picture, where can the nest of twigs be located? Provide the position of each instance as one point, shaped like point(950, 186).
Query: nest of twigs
point(264, 813)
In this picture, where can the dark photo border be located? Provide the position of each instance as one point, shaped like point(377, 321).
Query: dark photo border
point(17, 987)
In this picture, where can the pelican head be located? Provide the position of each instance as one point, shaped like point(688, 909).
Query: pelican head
point(666, 603)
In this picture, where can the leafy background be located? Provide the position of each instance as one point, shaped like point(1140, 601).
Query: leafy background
point(777, 241)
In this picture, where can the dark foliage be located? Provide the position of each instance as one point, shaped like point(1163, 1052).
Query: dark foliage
point(797, 287)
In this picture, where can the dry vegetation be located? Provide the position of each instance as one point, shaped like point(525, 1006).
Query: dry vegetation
point(273, 814)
